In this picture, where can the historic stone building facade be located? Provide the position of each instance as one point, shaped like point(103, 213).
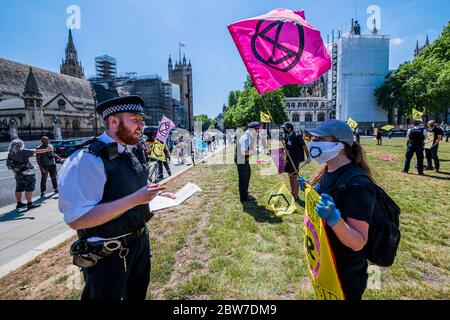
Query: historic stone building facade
point(71, 66)
point(181, 75)
point(312, 106)
point(35, 98)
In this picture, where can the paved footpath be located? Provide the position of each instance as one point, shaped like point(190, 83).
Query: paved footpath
point(26, 234)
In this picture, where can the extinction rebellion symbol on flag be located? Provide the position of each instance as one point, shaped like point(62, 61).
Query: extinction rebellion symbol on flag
point(269, 50)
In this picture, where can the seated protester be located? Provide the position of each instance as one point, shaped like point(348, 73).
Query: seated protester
point(347, 214)
point(296, 150)
point(19, 162)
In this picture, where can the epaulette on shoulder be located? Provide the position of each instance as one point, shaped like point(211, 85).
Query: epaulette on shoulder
point(95, 148)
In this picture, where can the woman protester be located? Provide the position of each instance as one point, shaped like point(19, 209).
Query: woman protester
point(347, 214)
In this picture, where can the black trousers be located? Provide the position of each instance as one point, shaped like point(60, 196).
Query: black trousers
point(44, 174)
point(410, 150)
point(244, 173)
point(107, 280)
point(432, 155)
point(160, 168)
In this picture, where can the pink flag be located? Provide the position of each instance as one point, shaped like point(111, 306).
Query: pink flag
point(280, 48)
point(279, 159)
point(165, 125)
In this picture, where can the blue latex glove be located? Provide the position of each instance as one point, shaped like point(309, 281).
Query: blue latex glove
point(301, 182)
point(326, 209)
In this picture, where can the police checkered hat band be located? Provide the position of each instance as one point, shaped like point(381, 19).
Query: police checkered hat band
point(131, 108)
point(130, 104)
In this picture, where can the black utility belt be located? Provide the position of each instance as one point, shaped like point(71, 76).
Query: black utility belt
point(86, 253)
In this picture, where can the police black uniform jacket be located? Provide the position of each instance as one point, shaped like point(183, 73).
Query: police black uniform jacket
point(126, 173)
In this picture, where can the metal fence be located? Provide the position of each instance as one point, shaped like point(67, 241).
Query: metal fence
point(32, 133)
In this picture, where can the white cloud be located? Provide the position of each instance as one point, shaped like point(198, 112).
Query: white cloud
point(396, 41)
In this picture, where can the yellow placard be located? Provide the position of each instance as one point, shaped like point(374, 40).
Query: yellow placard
point(265, 118)
point(417, 115)
point(319, 255)
point(388, 127)
point(158, 151)
point(352, 123)
point(279, 200)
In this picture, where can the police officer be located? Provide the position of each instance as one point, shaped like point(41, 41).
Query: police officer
point(244, 149)
point(296, 150)
point(104, 195)
point(416, 137)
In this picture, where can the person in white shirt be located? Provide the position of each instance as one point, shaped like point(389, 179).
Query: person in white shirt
point(104, 195)
point(244, 149)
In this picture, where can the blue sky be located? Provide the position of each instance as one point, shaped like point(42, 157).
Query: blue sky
point(141, 34)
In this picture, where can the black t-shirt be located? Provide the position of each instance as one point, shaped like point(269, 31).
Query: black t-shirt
point(357, 202)
point(437, 132)
point(294, 144)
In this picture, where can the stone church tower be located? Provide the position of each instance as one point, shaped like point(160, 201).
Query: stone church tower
point(181, 75)
point(33, 101)
point(71, 66)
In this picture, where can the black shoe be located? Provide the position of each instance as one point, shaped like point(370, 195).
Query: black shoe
point(20, 205)
point(42, 195)
point(428, 168)
point(32, 206)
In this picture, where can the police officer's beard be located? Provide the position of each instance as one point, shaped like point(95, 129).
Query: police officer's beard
point(126, 135)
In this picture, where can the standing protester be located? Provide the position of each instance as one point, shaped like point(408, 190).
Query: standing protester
point(244, 149)
point(447, 133)
point(19, 162)
point(104, 195)
point(165, 164)
point(348, 215)
point(416, 137)
point(431, 150)
point(357, 136)
point(296, 150)
point(47, 164)
point(379, 137)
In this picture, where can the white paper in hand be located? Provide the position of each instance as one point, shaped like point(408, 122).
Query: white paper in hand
point(160, 203)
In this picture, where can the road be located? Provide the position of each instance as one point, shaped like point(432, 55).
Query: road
point(8, 184)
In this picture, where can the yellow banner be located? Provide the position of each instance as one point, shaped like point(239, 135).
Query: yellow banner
point(318, 252)
point(279, 200)
point(417, 115)
point(158, 151)
point(265, 118)
point(352, 123)
point(388, 127)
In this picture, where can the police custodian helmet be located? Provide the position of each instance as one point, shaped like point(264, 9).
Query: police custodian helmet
point(130, 104)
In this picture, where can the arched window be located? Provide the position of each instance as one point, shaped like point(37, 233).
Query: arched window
point(311, 104)
point(321, 117)
point(299, 105)
point(76, 125)
point(308, 117)
point(305, 104)
point(322, 104)
point(316, 104)
point(295, 117)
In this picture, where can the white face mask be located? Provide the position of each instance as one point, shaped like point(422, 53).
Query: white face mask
point(322, 151)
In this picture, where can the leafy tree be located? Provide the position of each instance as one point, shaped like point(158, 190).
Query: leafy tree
point(206, 122)
point(423, 83)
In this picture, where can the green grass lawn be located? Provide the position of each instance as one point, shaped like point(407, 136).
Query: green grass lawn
point(212, 247)
point(246, 253)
